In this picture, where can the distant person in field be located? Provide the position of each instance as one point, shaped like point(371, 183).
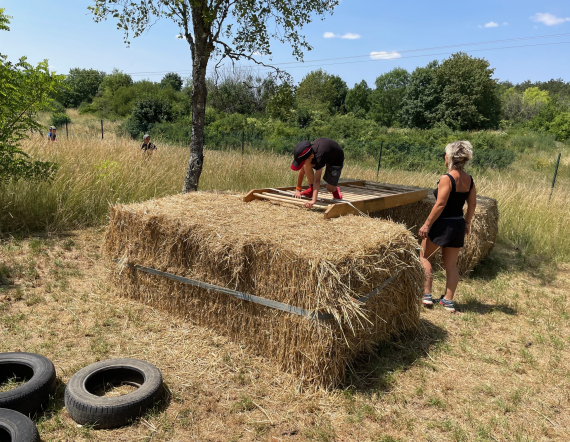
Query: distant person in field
point(147, 147)
point(52, 133)
point(317, 155)
point(446, 226)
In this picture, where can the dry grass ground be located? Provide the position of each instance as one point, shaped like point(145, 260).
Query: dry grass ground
point(497, 371)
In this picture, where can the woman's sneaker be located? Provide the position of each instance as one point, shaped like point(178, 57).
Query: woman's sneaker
point(447, 304)
point(427, 300)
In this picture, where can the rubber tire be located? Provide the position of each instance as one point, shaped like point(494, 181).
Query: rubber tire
point(40, 372)
point(19, 427)
point(85, 408)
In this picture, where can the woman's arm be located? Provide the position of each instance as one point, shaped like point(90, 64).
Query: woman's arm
point(443, 191)
point(471, 204)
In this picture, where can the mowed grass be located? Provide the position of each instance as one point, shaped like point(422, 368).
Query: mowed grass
point(497, 371)
point(94, 173)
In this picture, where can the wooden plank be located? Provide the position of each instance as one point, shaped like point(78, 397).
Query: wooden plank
point(288, 199)
point(375, 205)
point(393, 186)
point(249, 196)
point(373, 189)
point(294, 201)
point(371, 192)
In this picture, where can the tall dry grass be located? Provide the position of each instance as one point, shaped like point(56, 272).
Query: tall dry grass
point(95, 173)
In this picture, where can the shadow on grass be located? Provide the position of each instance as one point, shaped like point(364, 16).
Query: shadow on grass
point(375, 372)
point(475, 306)
point(55, 404)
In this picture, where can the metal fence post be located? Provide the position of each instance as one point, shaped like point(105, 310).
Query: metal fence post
point(379, 160)
point(555, 173)
point(101, 129)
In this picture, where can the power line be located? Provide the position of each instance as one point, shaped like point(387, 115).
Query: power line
point(304, 63)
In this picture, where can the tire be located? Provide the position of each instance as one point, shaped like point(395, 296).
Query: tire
point(40, 375)
point(15, 427)
point(86, 408)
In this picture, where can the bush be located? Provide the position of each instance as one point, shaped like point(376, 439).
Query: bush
point(560, 127)
point(147, 112)
point(59, 119)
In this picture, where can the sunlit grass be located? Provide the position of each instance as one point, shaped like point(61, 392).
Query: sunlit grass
point(94, 173)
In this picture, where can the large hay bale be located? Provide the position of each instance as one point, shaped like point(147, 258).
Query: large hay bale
point(280, 253)
point(478, 244)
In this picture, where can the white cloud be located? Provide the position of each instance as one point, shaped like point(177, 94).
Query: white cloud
point(347, 36)
point(491, 24)
point(384, 55)
point(505, 24)
point(548, 19)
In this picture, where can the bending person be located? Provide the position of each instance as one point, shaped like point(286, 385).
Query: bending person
point(446, 226)
point(308, 156)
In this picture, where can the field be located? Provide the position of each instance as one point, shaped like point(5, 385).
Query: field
point(496, 371)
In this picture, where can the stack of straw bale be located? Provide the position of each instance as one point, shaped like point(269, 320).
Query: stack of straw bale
point(478, 244)
point(280, 253)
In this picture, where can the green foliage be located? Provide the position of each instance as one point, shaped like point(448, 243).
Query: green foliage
point(282, 102)
point(147, 112)
point(81, 86)
point(468, 94)
point(560, 127)
point(114, 81)
point(172, 80)
point(386, 99)
point(322, 92)
point(24, 90)
point(240, 92)
point(58, 119)
point(358, 98)
point(4, 20)
point(421, 98)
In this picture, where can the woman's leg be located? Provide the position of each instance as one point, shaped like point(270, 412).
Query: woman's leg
point(427, 250)
point(450, 255)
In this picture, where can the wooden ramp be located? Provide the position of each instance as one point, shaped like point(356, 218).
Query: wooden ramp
point(358, 196)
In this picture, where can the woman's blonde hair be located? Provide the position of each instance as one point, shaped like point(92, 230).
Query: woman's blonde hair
point(459, 153)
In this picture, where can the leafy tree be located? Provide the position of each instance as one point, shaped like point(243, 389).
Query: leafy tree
point(114, 81)
point(282, 102)
point(560, 127)
point(147, 112)
point(234, 29)
point(24, 90)
point(173, 80)
point(322, 92)
point(81, 86)
point(386, 99)
point(357, 98)
point(421, 98)
point(469, 98)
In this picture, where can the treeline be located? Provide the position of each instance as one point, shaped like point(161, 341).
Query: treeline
point(457, 94)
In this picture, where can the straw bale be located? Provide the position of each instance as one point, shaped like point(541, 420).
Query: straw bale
point(279, 253)
point(478, 244)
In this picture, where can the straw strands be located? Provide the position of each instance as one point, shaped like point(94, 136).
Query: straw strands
point(285, 254)
point(478, 244)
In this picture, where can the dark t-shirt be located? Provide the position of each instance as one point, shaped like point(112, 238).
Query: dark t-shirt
point(327, 151)
point(145, 147)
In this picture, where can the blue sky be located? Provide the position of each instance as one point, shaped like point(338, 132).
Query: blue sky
point(383, 33)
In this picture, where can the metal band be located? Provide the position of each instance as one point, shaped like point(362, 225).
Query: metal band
point(252, 298)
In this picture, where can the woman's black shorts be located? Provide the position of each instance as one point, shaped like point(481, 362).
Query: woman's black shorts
point(448, 232)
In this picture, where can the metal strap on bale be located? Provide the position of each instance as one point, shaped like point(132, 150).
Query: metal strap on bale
point(252, 298)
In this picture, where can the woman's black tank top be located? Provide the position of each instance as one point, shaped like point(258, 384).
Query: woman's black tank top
point(456, 200)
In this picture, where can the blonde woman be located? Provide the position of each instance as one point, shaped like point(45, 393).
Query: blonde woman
point(446, 226)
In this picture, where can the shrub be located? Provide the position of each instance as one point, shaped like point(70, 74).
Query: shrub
point(560, 127)
point(147, 112)
point(59, 119)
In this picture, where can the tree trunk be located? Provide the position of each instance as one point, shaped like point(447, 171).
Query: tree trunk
point(200, 55)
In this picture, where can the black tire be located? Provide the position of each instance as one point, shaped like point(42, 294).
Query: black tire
point(39, 373)
point(15, 427)
point(86, 408)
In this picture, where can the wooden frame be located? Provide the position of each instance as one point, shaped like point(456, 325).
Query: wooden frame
point(358, 197)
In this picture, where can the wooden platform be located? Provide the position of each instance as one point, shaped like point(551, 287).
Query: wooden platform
point(358, 196)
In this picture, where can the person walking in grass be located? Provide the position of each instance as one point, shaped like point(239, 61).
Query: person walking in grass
point(52, 133)
point(446, 226)
point(147, 147)
point(321, 153)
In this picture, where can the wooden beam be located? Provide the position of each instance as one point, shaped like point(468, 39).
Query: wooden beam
point(249, 196)
point(375, 205)
point(293, 201)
